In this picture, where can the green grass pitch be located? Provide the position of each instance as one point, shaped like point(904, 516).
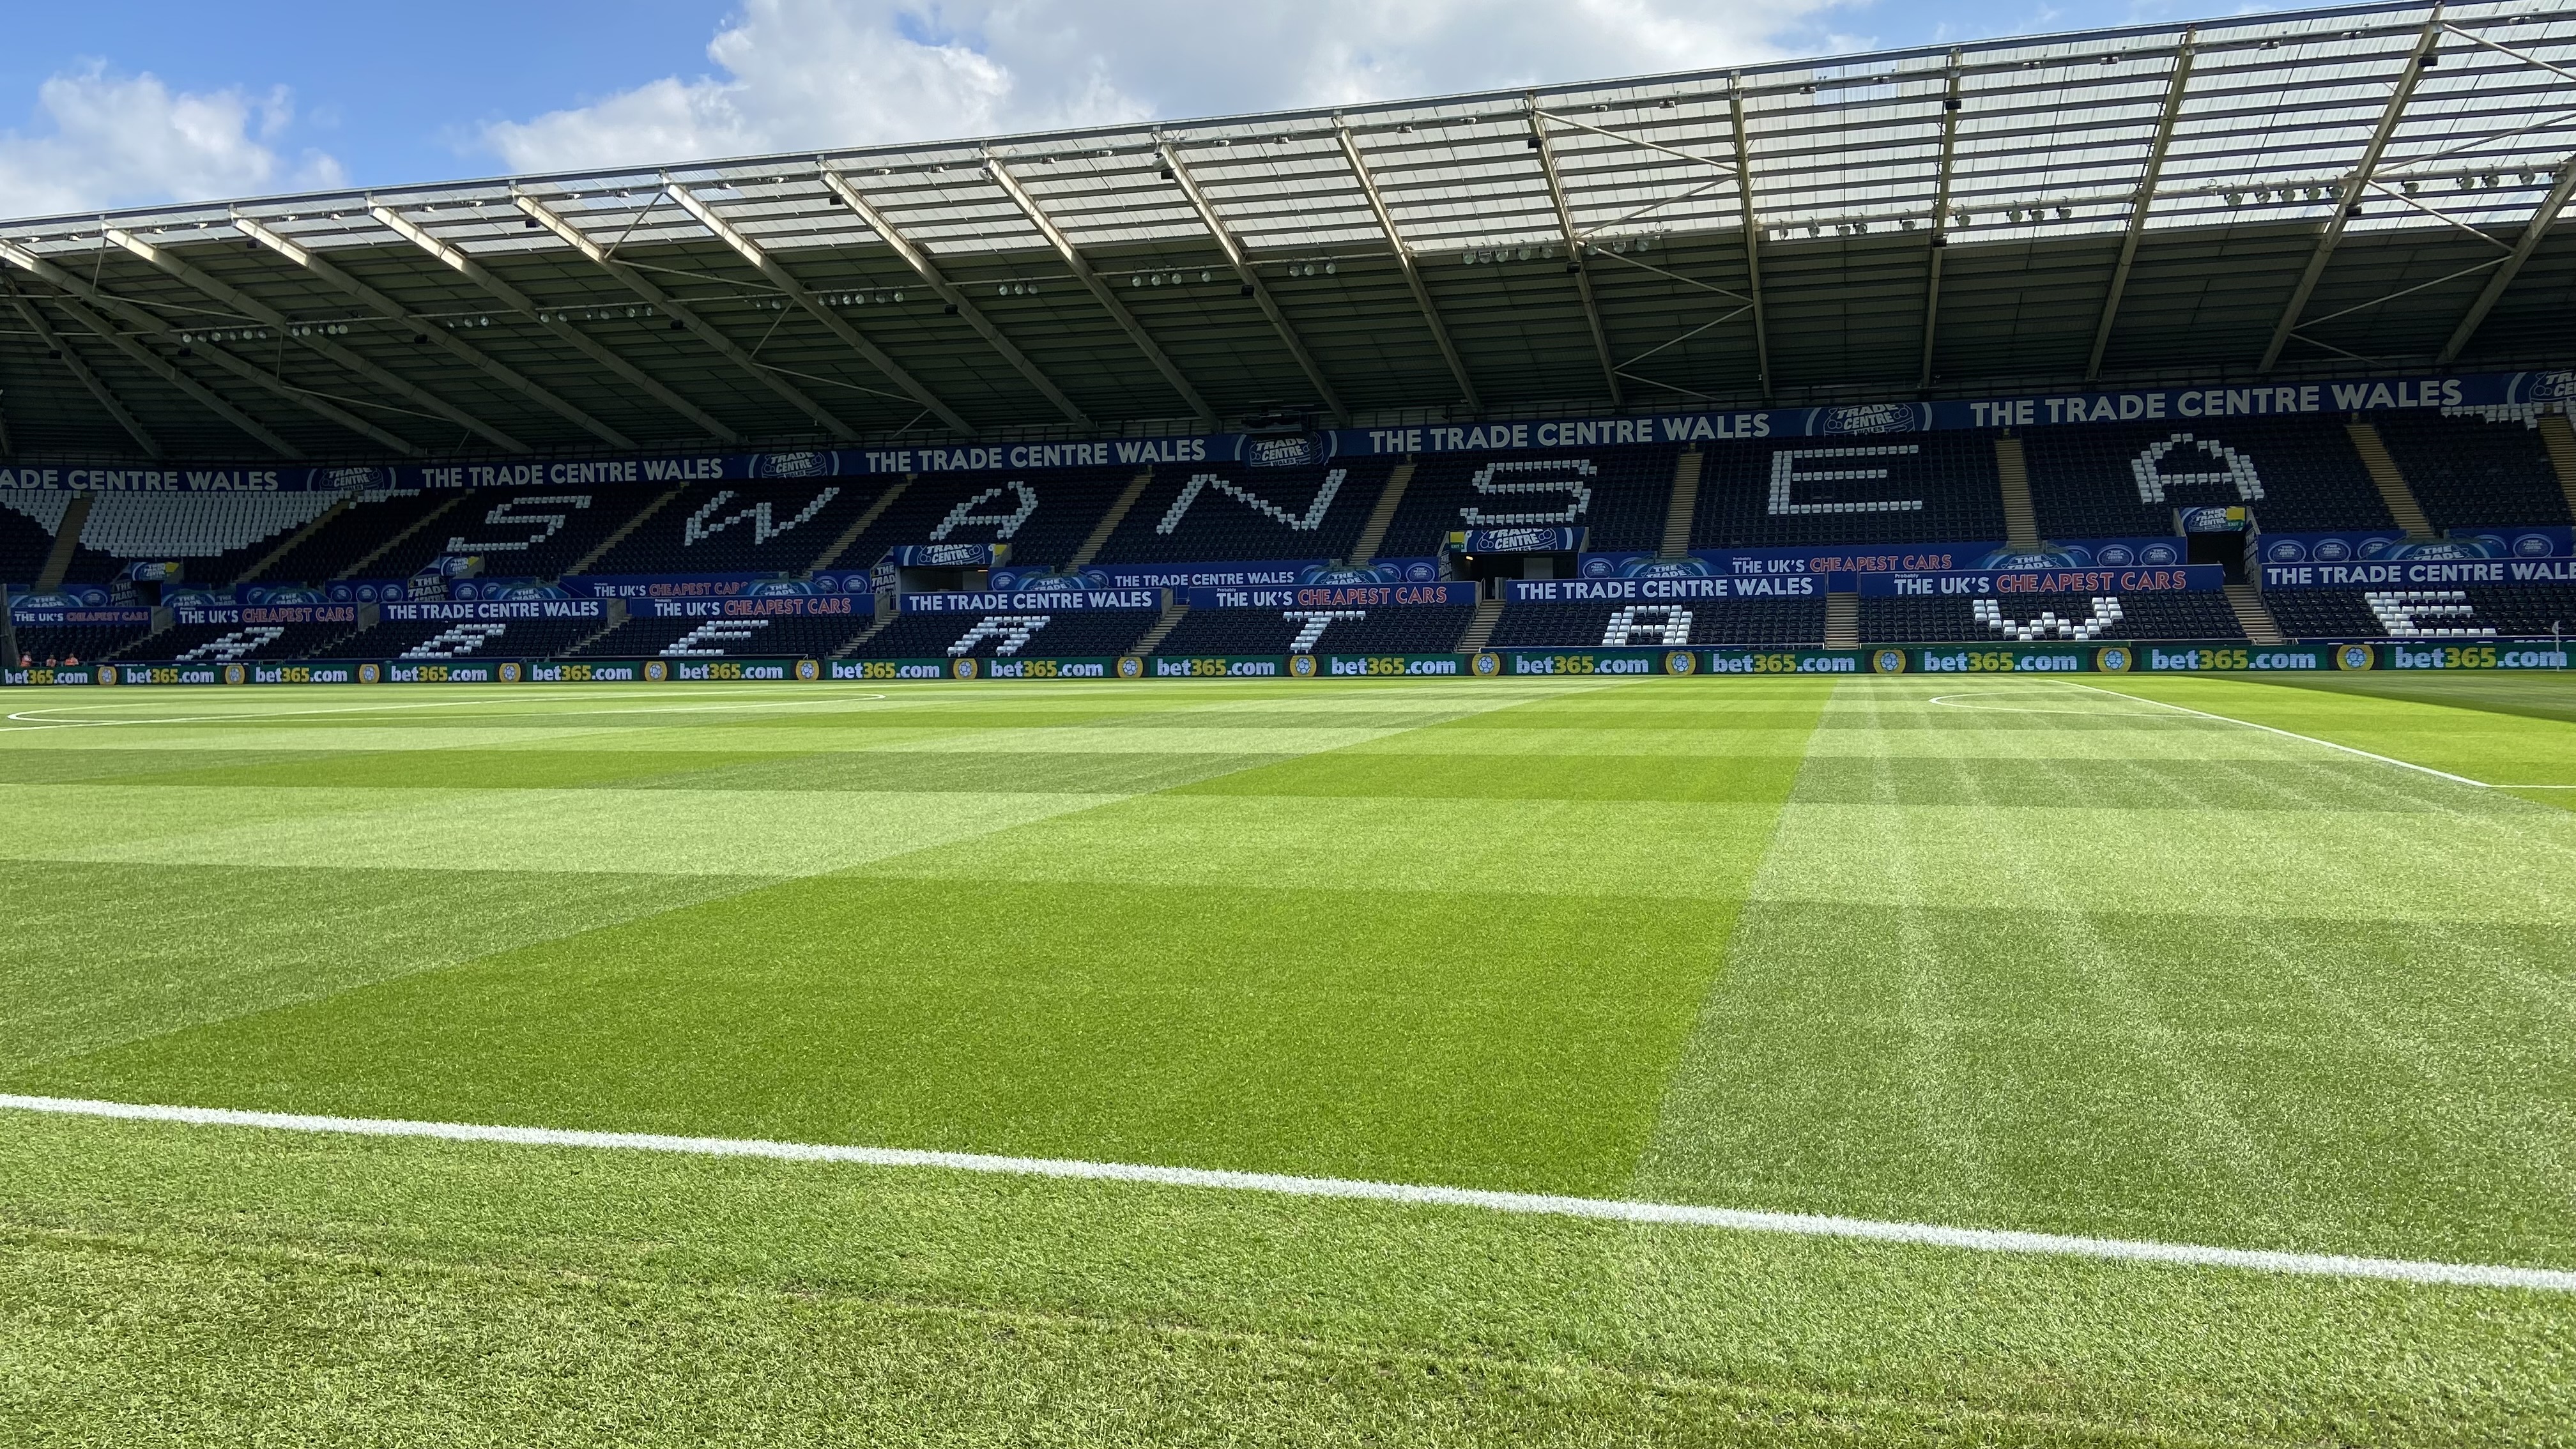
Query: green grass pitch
point(2026, 954)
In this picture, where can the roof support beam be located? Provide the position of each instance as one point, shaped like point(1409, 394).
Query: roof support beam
point(2146, 198)
point(145, 320)
point(1090, 279)
point(680, 312)
point(1242, 263)
point(922, 267)
point(153, 363)
point(1752, 233)
point(251, 307)
point(2348, 196)
point(71, 360)
point(2532, 232)
point(423, 327)
point(509, 296)
point(1405, 259)
point(1574, 249)
point(1939, 245)
point(833, 322)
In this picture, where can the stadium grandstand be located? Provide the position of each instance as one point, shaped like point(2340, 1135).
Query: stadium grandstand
point(2275, 300)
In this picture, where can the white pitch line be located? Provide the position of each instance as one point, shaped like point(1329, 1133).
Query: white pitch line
point(2285, 734)
point(1991, 1240)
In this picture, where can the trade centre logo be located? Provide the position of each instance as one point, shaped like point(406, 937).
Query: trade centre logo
point(2113, 660)
point(2355, 656)
point(1888, 661)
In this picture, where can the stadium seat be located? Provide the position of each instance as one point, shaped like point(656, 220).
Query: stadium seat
point(768, 638)
point(1885, 620)
point(28, 518)
point(1226, 512)
point(1432, 630)
point(1913, 488)
point(762, 527)
point(2469, 472)
point(215, 534)
point(1620, 494)
point(1043, 516)
point(1719, 623)
point(1078, 634)
point(2120, 480)
point(217, 643)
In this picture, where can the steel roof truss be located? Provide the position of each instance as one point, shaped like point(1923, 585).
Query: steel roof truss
point(2138, 208)
point(813, 306)
point(146, 320)
point(1411, 265)
point(482, 276)
point(73, 363)
point(252, 308)
point(678, 311)
point(423, 327)
point(1241, 261)
point(2532, 232)
point(1952, 106)
point(1752, 234)
point(153, 363)
point(1082, 272)
point(2348, 195)
point(1574, 249)
point(922, 266)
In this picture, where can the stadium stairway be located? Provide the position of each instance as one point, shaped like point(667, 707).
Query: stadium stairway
point(66, 543)
point(1382, 517)
point(2392, 484)
point(582, 564)
point(1842, 621)
point(359, 569)
point(1489, 612)
point(1684, 505)
point(832, 553)
point(2560, 438)
point(866, 634)
point(2021, 524)
point(614, 614)
point(321, 521)
point(1109, 521)
point(1173, 614)
point(2253, 615)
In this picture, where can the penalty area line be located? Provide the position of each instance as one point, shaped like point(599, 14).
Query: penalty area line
point(2288, 735)
point(1990, 1240)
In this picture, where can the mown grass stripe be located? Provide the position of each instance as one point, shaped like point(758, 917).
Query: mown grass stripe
point(1991, 1240)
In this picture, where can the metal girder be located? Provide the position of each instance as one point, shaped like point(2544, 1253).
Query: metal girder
point(833, 322)
point(481, 276)
point(1405, 259)
point(922, 267)
point(2348, 196)
point(680, 312)
point(1752, 233)
point(153, 363)
point(2532, 232)
point(448, 342)
point(1090, 279)
point(2137, 226)
point(72, 362)
point(1252, 283)
point(251, 307)
point(1939, 245)
point(1574, 250)
point(148, 321)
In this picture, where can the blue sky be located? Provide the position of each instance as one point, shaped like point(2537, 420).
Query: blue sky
point(121, 102)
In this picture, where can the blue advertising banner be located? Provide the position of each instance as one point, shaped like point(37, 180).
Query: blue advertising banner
point(1887, 558)
point(709, 586)
point(462, 611)
point(1052, 601)
point(267, 614)
point(767, 606)
point(1992, 583)
point(2489, 391)
point(34, 609)
point(1518, 540)
point(1336, 596)
point(1234, 575)
point(1660, 590)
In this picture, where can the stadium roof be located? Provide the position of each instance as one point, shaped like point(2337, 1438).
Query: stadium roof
point(2350, 191)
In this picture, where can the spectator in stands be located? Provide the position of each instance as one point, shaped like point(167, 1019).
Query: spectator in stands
point(26, 661)
point(70, 660)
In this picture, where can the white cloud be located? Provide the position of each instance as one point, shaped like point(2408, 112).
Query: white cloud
point(120, 140)
point(815, 73)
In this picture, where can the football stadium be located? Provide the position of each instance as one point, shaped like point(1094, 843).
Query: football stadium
point(1855, 751)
